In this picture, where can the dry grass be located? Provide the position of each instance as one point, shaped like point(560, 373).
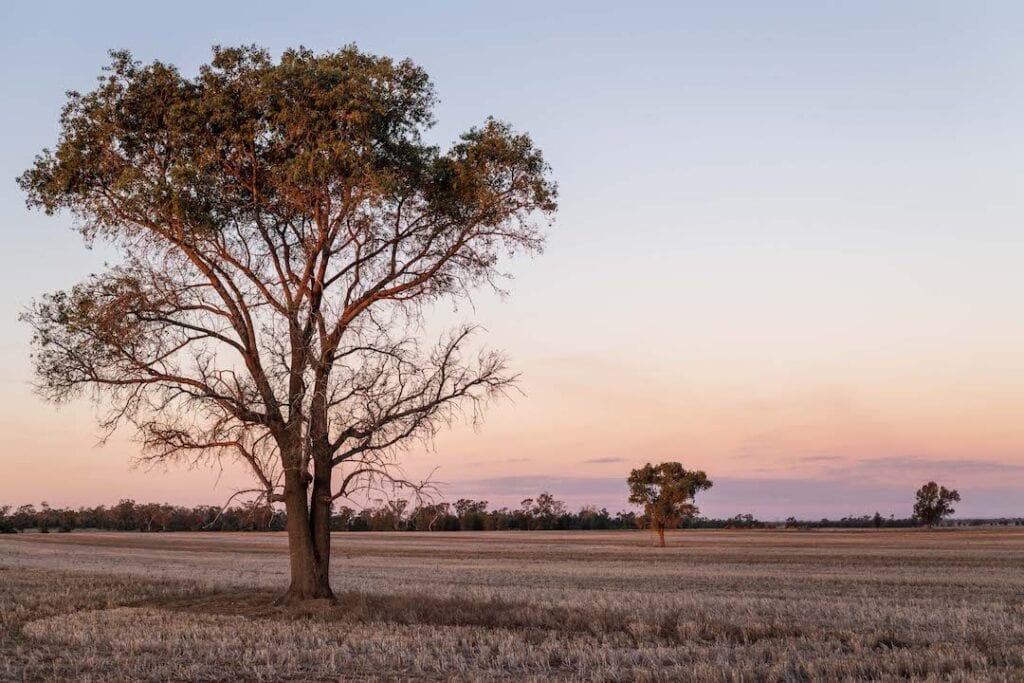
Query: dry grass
point(716, 606)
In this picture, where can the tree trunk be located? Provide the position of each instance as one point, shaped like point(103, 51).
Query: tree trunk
point(320, 519)
point(661, 536)
point(309, 578)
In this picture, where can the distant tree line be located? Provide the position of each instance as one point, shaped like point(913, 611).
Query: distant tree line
point(544, 512)
point(876, 521)
point(128, 515)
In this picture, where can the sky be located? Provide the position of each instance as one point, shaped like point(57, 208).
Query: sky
point(788, 250)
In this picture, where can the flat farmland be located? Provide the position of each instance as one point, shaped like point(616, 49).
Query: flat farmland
point(713, 606)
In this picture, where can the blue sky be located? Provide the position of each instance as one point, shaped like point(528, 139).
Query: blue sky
point(789, 241)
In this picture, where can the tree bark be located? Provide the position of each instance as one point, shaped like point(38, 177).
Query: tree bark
point(661, 536)
point(320, 519)
point(310, 579)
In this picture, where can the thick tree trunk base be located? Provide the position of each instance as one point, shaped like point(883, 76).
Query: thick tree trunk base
point(309, 547)
point(322, 595)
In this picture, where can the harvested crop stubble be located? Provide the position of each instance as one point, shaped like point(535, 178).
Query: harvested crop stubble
point(714, 606)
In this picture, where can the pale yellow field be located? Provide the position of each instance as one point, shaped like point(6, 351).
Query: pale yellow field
point(715, 606)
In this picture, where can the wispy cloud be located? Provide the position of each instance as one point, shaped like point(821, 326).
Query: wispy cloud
point(943, 464)
point(601, 461)
point(821, 458)
point(905, 468)
point(502, 461)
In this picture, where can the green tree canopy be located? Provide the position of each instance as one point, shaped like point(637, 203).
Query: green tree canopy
point(284, 228)
point(666, 492)
point(933, 502)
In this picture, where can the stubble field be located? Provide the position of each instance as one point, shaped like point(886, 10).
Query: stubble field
point(714, 606)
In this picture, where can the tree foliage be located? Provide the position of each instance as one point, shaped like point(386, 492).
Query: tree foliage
point(284, 229)
point(933, 502)
point(666, 492)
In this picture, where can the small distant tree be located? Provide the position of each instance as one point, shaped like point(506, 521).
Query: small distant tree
point(471, 514)
point(44, 519)
point(24, 517)
point(433, 517)
point(546, 510)
point(589, 517)
point(934, 502)
point(666, 492)
point(396, 511)
point(743, 521)
point(341, 518)
point(877, 520)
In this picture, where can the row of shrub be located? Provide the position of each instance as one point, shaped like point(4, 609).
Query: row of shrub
point(541, 513)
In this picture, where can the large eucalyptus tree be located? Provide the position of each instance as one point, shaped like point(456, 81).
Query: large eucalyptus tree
point(284, 229)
